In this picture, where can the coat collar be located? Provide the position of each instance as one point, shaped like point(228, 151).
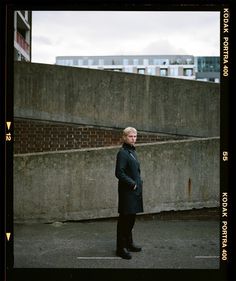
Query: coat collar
point(128, 146)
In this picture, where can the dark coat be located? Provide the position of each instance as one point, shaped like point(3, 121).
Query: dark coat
point(128, 174)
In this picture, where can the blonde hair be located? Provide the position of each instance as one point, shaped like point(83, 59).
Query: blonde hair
point(128, 130)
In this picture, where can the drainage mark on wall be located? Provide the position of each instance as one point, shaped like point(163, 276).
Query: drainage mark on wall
point(189, 187)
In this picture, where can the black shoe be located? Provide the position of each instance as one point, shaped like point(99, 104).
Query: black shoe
point(123, 253)
point(134, 248)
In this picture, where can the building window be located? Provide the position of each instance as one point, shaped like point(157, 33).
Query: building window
point(151, 71)
point(208, 64)
point(188, 72)
point(211, 68)
point(80, 62)
point(101, 61)
point(125, 61)
point(145, 61)
point(173, 71)
point(141, 70)
point(90, 62)
point(60, 62)
point(189, 61)
point(135, 61)
point(75, 62)
point(161, 61)
point(65, 62)
point(165, 62)
point(156, 62)
point(163, 72)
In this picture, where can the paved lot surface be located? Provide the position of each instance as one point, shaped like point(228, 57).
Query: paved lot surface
point(167, 244)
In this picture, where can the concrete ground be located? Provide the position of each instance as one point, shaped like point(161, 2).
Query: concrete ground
point(167, 244)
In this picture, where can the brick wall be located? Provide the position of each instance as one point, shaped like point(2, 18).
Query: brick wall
point(38, 136)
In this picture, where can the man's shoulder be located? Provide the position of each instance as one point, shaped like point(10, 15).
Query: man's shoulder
point(122, 151)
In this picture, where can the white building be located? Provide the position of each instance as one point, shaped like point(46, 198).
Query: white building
point(160, 65)
point(22, 35)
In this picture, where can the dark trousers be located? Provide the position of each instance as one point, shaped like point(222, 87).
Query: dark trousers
point(125, 225)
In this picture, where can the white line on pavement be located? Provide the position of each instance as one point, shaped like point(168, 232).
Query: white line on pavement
point(98, 258)
point(207, 257)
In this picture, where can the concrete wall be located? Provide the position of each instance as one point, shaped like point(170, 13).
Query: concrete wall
point(107, 98)
point(80, 184)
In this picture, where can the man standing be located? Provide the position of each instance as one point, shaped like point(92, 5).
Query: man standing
point(129, 193)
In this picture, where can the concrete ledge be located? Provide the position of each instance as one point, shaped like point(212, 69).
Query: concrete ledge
point(80, 184)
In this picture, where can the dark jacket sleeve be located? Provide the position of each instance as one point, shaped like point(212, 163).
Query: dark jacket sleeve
point(121, 169)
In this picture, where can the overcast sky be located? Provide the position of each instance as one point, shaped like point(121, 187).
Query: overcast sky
point(84, 33)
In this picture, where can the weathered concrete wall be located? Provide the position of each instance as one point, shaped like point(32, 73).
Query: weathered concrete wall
point(107, 98)
point(80, 184)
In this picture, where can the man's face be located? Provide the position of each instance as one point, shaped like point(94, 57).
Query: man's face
point(131, 138)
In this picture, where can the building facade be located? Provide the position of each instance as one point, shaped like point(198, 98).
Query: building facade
point(177, 66)
point(159, 65)
point(208, 68)
point(22, 35)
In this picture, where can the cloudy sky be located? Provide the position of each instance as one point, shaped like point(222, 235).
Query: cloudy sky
point(84, 33)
